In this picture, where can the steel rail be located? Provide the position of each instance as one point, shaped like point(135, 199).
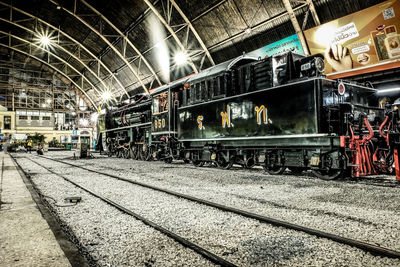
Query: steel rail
point(377, 250)
point(198, 249)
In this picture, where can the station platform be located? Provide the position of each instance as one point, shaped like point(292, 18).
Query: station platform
point(25, 236)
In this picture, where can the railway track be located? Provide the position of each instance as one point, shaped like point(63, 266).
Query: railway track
point(374, 249)
point(379, 182)
point(185, 242)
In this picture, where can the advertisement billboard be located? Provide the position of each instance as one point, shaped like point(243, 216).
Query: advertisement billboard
point(287, 44)
point(365, 41)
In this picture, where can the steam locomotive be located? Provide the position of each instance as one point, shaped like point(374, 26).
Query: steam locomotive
point(279, 112)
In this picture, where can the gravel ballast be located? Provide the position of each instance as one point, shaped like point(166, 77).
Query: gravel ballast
point(357, 211)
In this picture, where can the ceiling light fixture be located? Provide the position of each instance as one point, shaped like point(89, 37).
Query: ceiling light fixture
point(106, 96)
point(180, 58)
point(45, 41)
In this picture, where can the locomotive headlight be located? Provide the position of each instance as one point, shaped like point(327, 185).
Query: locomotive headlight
point(319, 64)
point(341, 88)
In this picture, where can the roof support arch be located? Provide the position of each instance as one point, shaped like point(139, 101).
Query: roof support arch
point(80, 19)
point(125, 38)
point(52, 67)
point(64, 50)
point(195, 33)
point(30, 44)
point(296, 26)
point(74, 41)
point(171, 31)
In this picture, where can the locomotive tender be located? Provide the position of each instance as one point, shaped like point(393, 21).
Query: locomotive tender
point(278, 112)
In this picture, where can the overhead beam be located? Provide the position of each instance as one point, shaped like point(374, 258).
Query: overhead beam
point(313, 11)
point(259, 25)
point(296, 25)
point(55, 45)
point(104, 38)
point(74, 42)
point(171, 31)
point(125, 38)
point(52, 67)
point(190, 25)
point(53, 55)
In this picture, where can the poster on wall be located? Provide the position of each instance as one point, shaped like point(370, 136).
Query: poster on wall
point(291, 43)
point(367, 40)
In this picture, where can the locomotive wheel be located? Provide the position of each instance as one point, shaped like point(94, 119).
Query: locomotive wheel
point(198, 163)
point(126, 153)
point(136, 154)
point(274, 166)
point(250, 163)
point(222, 163)
point(275, 170)
point(296, 170)
point(168, 159)
point(145, 153)
point(328, 174)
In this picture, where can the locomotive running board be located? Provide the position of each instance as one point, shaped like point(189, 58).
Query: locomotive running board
point(257, 137)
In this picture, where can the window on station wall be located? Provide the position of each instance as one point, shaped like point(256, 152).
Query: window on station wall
point(160, 103)
point(82, 104)
point(7, 122)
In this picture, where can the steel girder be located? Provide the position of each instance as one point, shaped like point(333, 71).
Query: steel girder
point(55, 45)
point(261, 24)
point(49, 53)
point(171, 31)
point(52, 67)
point(296, 25)
point(125, 38)
point(74, 43)
point(104, 38)
point(190, 25)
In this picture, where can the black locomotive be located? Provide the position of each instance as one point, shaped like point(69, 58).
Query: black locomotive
point(278, 112)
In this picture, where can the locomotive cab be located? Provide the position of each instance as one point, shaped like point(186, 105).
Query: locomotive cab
point(164, 108)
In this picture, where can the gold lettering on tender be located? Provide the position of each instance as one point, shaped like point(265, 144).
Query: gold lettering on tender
point(226, 118)
point(262, 115)
point(200, 122)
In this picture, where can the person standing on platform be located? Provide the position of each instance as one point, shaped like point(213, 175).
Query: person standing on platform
point(29, 145)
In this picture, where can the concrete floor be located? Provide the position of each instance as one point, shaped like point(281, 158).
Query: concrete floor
point(25, 236)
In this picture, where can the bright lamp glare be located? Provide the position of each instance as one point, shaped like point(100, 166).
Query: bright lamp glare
point(158, 37)
point(180, 58)
point(44, 40)
point(84, 122)
point(383, 91)
point(94, 117)
point(106, 96)
point(325, 34)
